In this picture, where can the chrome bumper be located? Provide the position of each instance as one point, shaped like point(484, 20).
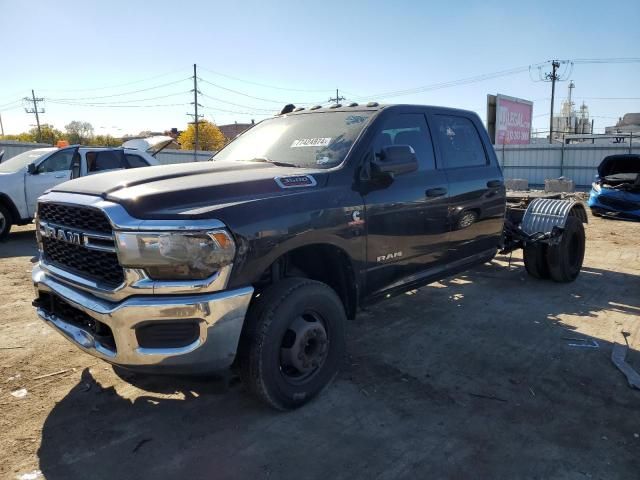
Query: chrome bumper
point(220, 317)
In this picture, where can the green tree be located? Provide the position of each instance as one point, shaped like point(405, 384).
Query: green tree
point(105, 141)
point(209, 137)
point(79, 131)
point(49, 134)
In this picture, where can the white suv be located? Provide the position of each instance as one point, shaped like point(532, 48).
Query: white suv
point(26, 176)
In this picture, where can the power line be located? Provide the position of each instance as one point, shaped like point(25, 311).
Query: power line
point(237, 112)
point(71, 102)
point(125, 93)
point(237, 92)
point(263, 84)
point(453, 83)
point(98, 105)
point(236, 104)
point(113, 86)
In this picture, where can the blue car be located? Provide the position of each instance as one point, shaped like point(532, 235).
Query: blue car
point(616, 191)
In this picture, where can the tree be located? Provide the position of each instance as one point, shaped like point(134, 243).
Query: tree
point(79, 132)
point(105, 141)
point(209, 136)
point(50, 134)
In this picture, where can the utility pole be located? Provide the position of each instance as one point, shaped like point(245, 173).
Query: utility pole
point(195, 115)
point(552, 77)
point(1, 126)
point(338, 98)
point(35, 110)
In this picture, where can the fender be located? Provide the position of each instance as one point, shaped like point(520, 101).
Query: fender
point(543, 214)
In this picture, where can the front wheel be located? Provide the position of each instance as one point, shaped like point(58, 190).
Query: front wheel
point(5, 222)
point(293, 342)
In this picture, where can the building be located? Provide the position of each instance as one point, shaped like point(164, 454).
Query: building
point(572, 121)
point(232, 130)
point(629, 123)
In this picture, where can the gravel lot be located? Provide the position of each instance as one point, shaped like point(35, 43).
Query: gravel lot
point(472, 377)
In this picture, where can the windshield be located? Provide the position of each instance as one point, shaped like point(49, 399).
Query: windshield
point(25, 158)
point(317, 140)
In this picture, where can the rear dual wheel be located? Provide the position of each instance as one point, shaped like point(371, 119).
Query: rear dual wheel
point(293, 342)
point(561, 261)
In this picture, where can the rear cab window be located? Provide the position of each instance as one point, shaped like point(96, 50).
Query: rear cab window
point(459, 141)
point(105, 160)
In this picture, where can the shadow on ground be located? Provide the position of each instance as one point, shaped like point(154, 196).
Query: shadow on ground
point(21, 243)
point(472, 377)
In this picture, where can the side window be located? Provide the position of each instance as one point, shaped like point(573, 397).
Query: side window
point(407, 129)
point(459, 142)
point(135, 161)
point(59, 161)
point(107, 160)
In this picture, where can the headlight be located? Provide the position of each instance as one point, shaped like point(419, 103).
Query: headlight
point(176, 255)
point(596, 187)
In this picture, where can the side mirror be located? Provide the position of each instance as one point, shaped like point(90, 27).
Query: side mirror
point(31, 168)
point(394, 160)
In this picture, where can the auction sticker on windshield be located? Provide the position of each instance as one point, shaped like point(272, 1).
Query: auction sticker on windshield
point(311, 142)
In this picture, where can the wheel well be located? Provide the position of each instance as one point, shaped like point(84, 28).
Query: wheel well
point(324, 263)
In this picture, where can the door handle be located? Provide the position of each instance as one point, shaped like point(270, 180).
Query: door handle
point(494, 183)
point(436, 192)
point(61, 176)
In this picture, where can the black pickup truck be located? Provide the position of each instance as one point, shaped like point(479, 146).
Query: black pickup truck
point(256, 259)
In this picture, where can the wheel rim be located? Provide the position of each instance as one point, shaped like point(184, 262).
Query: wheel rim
point(304, 347)
point(3, 222)
point(467, 220)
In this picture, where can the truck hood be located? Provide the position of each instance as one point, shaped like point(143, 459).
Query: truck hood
point(616, 164)
point(151, 145)
point(195, 190)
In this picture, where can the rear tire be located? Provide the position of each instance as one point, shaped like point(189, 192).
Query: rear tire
point(565, 258)
point(6, 220)
point(293, 342)
point(535, 261)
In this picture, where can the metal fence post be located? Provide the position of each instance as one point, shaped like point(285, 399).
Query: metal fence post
point(630, 141)
point(562, 159)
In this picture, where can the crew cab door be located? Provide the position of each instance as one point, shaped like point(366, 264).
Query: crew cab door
point(476, 187)
point(406, 220)
point(52, 171)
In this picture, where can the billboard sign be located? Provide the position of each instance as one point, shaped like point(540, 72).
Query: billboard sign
point(509, 120)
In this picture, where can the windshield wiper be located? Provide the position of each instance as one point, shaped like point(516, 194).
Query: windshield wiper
point(273, 162)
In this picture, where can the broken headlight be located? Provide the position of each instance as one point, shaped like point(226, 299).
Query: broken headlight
point(176, 255)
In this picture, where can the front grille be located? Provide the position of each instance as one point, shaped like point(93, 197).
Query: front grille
point(618, 203)
point(81, 218)
point(102, 267)
point(59, 308)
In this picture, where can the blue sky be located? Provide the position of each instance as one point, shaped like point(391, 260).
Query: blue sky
point(68, 51)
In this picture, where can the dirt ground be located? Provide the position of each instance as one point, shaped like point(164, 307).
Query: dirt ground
point(473, 377)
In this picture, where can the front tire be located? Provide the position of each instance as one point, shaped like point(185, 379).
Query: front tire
point(293, 342)
point(6, 220)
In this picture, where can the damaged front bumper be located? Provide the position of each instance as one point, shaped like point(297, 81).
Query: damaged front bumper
point(606, 201)
point(154, 333)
